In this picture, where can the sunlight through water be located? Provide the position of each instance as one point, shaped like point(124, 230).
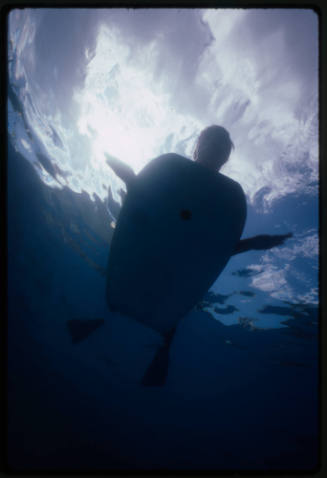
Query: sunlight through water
point(137, 84)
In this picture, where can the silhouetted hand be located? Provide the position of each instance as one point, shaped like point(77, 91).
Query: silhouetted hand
point(261, 242)
point(266, 241)
point(122, 170)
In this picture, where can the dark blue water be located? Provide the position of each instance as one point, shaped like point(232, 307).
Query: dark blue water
point(237, 397)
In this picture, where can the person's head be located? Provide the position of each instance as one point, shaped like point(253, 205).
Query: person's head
point(213, 147)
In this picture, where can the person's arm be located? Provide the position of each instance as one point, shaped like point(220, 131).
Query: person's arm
point(124, 172)
point(262, 242)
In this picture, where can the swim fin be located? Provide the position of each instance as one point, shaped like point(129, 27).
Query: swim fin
point(80, 329)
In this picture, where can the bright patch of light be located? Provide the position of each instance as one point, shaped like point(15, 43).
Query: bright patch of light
point(122, 110)
point(130, 103)
point(26, 145)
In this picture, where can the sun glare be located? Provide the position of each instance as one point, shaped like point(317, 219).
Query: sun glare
point(122, 110)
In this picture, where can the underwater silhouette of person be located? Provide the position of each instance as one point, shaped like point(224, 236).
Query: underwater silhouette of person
point(212, 151)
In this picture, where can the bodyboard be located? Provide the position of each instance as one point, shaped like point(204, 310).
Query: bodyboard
point(176, 231)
